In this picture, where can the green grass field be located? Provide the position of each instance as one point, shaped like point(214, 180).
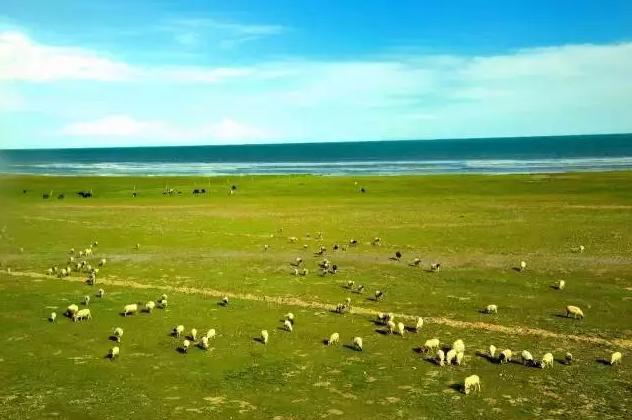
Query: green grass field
point(197, 249)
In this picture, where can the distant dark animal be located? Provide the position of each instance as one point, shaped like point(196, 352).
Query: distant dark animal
point(61, 196)
point(45, 196)
point(398, 255)
point(85, 194)
point(335, 247)
point(203, 191)
point(196, 191)
point(362, 190)
point(134, 194)
point(353, 242)
point(23, 191)
point(234, 187)
point(360, 289)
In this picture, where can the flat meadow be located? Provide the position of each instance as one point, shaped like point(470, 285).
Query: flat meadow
point(198, 248)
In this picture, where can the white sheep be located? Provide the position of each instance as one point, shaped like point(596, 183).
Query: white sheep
point(178, 330)
point(450, 356)
point(49, 272)
point(491, 309)
point(333, 339)
point(527, 358)
point(210, 333)
point(264, 336)
point(149, 306)
point(615, 357)
point(568, 358)
point(431, 344)
point(193, 334)
point(575, 311)
point(471, 382)
point(505, 356)
point(71, 310)
point(523, 265)
point(185, 345)
point(492, 350)
point(225, 301)
point(130, 309)
point(163, 297)
point(86, 300)
point(204, 343)
point(52, 317)
point(459, 358)
point(459, 346)
point(288, 325)
point(401, 328)
point(162, 303)
point(561, 284)
point(102, 262)
point(547, 360)
point(100, 293)
point(440, 357)
point(114, 352)
point(419, 324)
point(118, 333)
point(289, 316)
point(357, 343)
point(82, 314)
point(391, 326)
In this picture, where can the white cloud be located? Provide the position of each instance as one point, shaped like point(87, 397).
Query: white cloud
point(125, 126)
point(22, 59)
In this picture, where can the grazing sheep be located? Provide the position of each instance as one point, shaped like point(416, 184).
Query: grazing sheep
point(561, 284)
point(435, 267)
point(440, 357)
point(178, 330)
point(132, 308)
point(341, 308)
point(149, 306)
point(523, 265)
point(377, 241)
point(431, 344)
point(185, 345)
point(162, 303)
point(381, 317)
point(163, 297)
point(527, 358)
point(505, 356)
point(210, 333)
point(72, 251)
point(333, 339)
point(118, 333)
point(225, 301)
point(416, 262)
point(288, 325)
point(52, 317)
point(401, 328)
point(491, 309)
point(419, 324)
point(82, 314)
point(357, 343)
point(102, 262)
point(615, 357)
point(379, 295)
point(459, 346)
point(264, 336)
point(492, 351)
point(71, 310)
point(304, 272)
point(100, 293)
point(114, 352)
point(450, 356)
point(350, 284)
point(391, 326)
point(289, 316)
point(547, 360)
point(265, 247)
point(575, 311)
point(471, 382)
point(49, 272)
point(568, 358)
point(292, 239)
point(204, 343)
point(398, 255)
point(137, 247)
point(86, 300)
point(348, 301)
point(459, 358)
point(193, 334)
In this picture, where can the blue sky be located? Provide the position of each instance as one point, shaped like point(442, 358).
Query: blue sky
point(120, 73)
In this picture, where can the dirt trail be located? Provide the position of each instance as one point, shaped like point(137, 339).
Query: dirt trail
point(291, 301)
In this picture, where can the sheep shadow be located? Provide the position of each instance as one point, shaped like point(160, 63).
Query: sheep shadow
point(603, 361)
point(518, 269)
point(431, 360)
point(393, 259)
point(382, 331)
point(282, 329)
point(555, 287)
point(113, 338)
point(325, 341)
point(562, 316)
point(418, 350)
point(109, 356)
point(181, 350)
point(488, 357)
point(456, 387)
point(351, 347)
point(223, 304)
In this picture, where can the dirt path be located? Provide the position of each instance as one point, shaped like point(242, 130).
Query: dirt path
point(291, 301)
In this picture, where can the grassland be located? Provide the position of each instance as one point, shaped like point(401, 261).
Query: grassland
point(199, 248)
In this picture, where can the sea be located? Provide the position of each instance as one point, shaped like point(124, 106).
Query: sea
point(515, 155)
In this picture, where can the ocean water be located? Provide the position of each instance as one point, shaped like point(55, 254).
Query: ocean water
point(491, 156)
